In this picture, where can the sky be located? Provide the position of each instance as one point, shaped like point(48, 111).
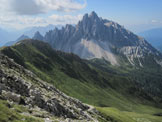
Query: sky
point(135, 15)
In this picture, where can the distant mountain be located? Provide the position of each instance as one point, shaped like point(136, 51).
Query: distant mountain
point(4, 36)
point(7, 36)
point(19, 39)
point(41, 29)
point(95, 37)
point(11, 37)
point(38, 36)
point(154, 37)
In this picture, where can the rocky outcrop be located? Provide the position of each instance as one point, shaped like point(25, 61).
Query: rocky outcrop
point(23, 87)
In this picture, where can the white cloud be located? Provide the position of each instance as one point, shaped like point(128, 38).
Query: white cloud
point(65, 19)
point(24, 13)
point(32, 7)
point(28, 21)
point(154, 21)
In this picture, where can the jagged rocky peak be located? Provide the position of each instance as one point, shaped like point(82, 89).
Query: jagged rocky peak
point(93, 15)
point(90, 19)
point(95, 37)
point(93, 18)
point(38, 36)
point(69, 28)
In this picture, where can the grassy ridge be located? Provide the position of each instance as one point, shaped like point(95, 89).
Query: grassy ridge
point(101, 85)
point(71, 74)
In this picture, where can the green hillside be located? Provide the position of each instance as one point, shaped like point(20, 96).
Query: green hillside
point(115, 115)
point(93, 82)
point(12, 113)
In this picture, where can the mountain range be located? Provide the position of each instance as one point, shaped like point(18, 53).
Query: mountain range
point(42, 30)
point(94, 37)
point(109, 73)
point(19, 39)
point(8, 38)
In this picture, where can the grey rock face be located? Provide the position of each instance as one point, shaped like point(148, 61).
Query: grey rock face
point(38, 36)
point(11, 96)
point(94, 37)
point(23, 87)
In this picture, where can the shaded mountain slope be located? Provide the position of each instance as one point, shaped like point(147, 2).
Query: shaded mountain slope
point(79, 78)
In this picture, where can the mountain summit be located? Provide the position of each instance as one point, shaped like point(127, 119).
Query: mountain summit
point(95, 37)
point(38, 36)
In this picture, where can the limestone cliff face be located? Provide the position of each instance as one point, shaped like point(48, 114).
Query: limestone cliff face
point(21, 86)
point(95, 37)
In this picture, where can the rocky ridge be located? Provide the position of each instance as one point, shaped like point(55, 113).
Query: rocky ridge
point(21, 86)
point(95, 37)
